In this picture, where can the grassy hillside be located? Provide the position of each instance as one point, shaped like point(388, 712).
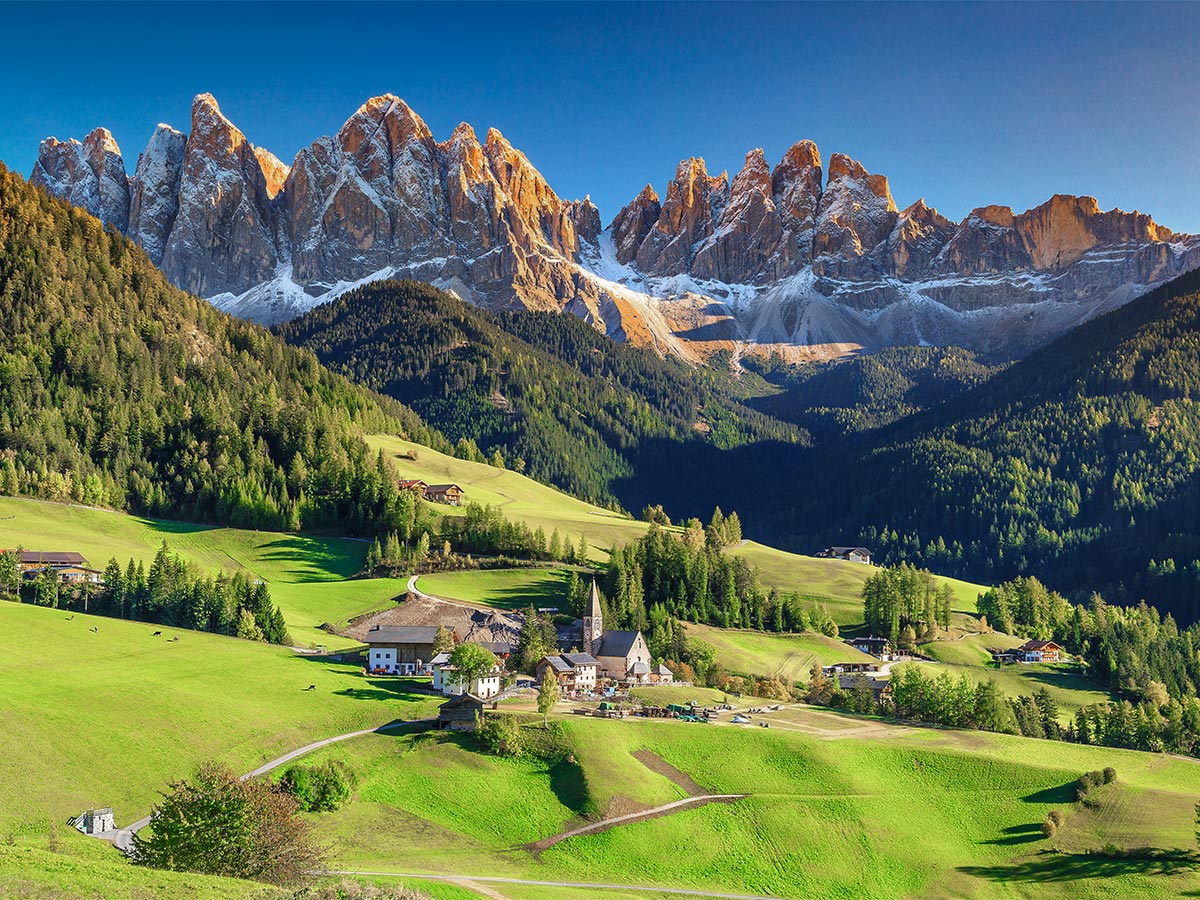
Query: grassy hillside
point(305, 573)
point(105, 718)
point(833, 812)
point(836, 583)
point(502, 588)
point(584, 413)
point(789, 656)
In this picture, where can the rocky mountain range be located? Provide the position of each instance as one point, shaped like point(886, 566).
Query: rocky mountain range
point(797, 259)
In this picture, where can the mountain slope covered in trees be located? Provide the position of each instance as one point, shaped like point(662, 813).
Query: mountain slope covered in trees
point(1080, 463)
point(118, 389)
point(555, 398)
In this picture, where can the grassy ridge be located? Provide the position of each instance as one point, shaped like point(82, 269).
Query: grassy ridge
point(502, 588)
point(305, 573)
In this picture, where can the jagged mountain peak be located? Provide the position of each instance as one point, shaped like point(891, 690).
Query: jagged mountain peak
point(795, 254)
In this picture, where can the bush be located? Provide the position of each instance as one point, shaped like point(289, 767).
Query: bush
point(1049, 827)
point(500, 734)
point(1109, 774)
point(217, 824)
point(322, 788)
point(357, 890)
point(1056, 817)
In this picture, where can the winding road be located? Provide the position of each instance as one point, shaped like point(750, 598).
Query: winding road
point(122, 838)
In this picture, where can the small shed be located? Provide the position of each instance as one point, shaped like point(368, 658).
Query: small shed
point(460, 713)
point(95, 821)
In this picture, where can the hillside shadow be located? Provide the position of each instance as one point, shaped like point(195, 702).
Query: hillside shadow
point(542, 594)
point(569, 786)
point(313, 559)
point(1049, 865)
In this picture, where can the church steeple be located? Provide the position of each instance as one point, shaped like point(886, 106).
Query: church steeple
point(593, 622)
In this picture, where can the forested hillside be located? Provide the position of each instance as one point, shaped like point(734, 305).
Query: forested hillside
point(555, 398)
point(1079, 464)
point(870, 390)
point(118, 389)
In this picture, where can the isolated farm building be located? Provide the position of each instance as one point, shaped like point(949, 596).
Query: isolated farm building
point(448, 682)
point(660, 674)
point(450, 494)
point(871, 645)
point(853, 554)
point(622, 655)
point(401, 649)
point(1040, 651)
point(95, 821)
point(460, 713)
point(68, 566)
point(416, 485)
point(573, 671)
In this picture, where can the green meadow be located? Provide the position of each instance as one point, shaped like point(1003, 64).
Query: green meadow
point(893, 813)
point(306, 573)
point(788, 656)
point(105, 718)
point(502, 588)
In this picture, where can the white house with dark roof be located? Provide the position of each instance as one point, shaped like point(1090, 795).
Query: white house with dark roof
point(621, 655)
point(401, 649)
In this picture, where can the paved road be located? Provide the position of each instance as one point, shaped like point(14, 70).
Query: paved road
point(570, 884)
point(122, 838)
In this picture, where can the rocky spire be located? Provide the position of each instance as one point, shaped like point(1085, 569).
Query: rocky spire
point(856, 215)
point(223, 238)
point(748, 231)
point(155, 196)
point(694, 203)
point(90, 175)
point(633, 223)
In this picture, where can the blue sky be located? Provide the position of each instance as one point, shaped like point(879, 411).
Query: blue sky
point(964, 105)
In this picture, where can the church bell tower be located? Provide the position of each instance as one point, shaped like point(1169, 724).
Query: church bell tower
point(593, 623)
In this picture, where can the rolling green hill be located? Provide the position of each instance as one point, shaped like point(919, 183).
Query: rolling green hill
point(305, 573)
point(836, 808)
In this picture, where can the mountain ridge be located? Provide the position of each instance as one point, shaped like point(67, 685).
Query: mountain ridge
point(798, 259)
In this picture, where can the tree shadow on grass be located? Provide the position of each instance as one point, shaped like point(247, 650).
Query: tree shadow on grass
point(316, 559)
point(1019, 834)
point(1049, 865)
point(1063, 793)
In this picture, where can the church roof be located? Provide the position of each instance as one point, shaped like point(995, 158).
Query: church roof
point(616, 643)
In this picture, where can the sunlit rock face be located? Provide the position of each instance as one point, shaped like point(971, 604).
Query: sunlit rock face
point(798, 255)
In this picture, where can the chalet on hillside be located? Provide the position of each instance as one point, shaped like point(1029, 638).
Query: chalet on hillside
point(68, 566)
point(853, 554)
point(416, 485)
point(871, 645)
point(460, 713)
point(450, 494)
point(1039, 651)
point(401, 649)
point(574, 672)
